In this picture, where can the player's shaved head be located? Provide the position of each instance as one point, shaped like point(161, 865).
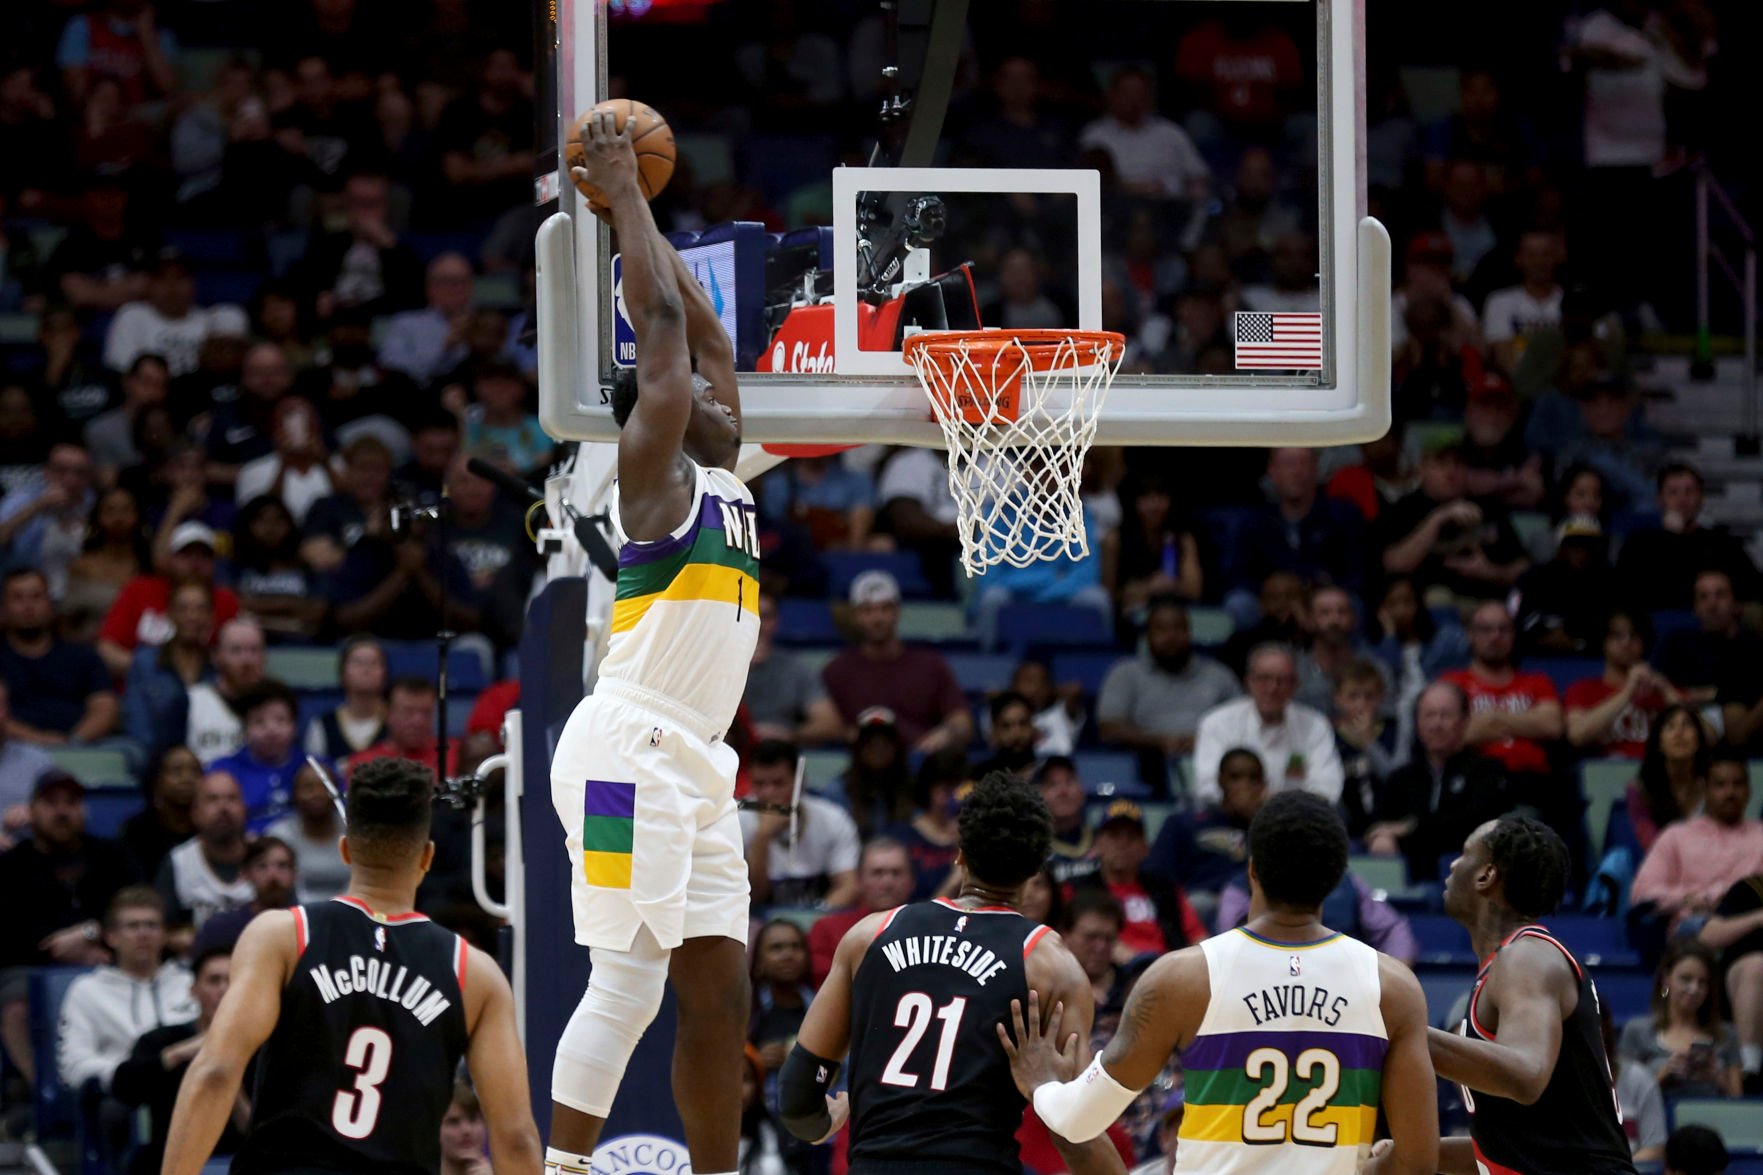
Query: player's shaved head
point(390, 804)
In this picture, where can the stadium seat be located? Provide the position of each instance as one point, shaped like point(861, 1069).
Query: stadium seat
point(935, 623)
point(58, 1109)
point(1210, 627)
point(807, 622)
point(801, 916)
point(302, 667)
point(1111, 773)
point(1444, 988)
point(1626, 991)
point(214, 286)
point(212, 248)
point(107, 808)
point(94, 766)
point(465, 669)
point(1024, 626)
point(1389, 874)
point(1087, 669)
point(1602, 782)
point(813, 660)
point(1739, 1121)
point(844, 566)
point(1442, 941)
point(1596, 942)
point(1564, 671)
point(822, 767)
point(981, 673)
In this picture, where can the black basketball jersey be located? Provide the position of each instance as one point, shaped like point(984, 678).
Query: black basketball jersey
point(360, 1068)
point(929, 1081)
point(1576, 1125)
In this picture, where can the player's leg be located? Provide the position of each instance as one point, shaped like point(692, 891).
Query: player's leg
point(710, 981)
point(624, 993)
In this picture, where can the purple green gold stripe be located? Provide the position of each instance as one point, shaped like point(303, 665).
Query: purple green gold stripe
point(603, 797)
point(1230, 1050)
point(635, 554)
point(1233, 1087)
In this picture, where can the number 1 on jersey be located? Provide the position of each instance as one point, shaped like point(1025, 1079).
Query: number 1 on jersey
point(914, 1013)
point(355, 1112)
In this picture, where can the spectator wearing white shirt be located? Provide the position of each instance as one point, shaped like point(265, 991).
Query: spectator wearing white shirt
point(106, 1011)
point(1513, 314)
point(298, 471)
point(813, 864)
point(168, 322)
point(1295, 743)
point(427, 343)
point(1152, 155)
point(918, 510)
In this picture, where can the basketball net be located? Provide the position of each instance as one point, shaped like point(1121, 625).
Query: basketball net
point(1018, 410)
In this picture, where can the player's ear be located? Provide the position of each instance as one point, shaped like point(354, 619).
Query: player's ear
point(428, 856)
point(343, 849)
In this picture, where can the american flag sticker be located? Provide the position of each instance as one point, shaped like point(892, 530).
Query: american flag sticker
point(1278, 342)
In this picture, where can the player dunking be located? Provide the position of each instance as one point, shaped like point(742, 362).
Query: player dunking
point(1291, 1035)
point(1530, 1055)
point(642, 780)
point(918, 992)
point(362, 1008)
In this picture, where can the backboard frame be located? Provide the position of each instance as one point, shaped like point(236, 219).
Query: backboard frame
point(1348, 402)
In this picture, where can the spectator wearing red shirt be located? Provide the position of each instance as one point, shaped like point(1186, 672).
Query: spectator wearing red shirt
point(141, 614)
point(916, 684)
point(410, 728)
point(1612, 714)
point(492, 707)
point(1513, 714)
point(884, 880)
point(1156, 916)
point(1241, 75)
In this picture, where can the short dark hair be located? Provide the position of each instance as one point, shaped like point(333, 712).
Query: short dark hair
point(944, 768)
point(1093, 900)
point(264, 845)
point(1242, 753)
point(1532, 860)
point(1673, 469)
point(1005, 830)
point(1727, 753)
point(1298, 847)
point(390, 803)
point(623, 394)
point(14, 574)
point(774, 752)
point(413, 685)
point(1006, 700)
point(1053, 763)
point(1165, 601)
point(268, 692)
point(207, 955)
point(356, 642)
point(1696, 1150)
point(145, 358)
point(133, 897)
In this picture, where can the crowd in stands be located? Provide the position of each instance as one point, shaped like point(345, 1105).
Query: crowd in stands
point(264, 284)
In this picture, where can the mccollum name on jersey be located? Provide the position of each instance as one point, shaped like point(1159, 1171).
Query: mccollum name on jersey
point(376, 977)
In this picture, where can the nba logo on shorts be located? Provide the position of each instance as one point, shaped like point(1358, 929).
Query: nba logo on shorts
point(655, 736)
point(1296, 965)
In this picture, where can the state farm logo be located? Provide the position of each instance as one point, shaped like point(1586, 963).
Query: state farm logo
point(819, 359)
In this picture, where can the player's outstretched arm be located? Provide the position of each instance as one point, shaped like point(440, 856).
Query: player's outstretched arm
point(498, 1069)
point(804, 1106)
point(1052, 969)
point(247, 1015)
point(1410, 1101)
point(1536, 992)
point(649, 446)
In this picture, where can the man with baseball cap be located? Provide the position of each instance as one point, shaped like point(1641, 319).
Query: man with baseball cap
point(1157, 916)
point(140, 615)
point(913, 682)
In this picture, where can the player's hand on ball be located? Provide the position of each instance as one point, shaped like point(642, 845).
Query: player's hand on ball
point(838, 1107)
point(609, 161)
point(1037, 1056)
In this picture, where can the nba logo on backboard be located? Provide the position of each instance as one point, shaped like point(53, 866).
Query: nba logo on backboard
point(1296, 964)
point(624, 335)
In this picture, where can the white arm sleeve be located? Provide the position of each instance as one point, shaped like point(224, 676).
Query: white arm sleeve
point(1080, 1109)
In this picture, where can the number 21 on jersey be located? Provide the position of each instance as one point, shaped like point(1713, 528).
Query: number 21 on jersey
point(914, 1013)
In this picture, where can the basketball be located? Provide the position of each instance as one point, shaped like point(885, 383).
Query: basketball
point(651, 138)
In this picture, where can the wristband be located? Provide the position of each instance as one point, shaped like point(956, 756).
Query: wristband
point(1080, 1109)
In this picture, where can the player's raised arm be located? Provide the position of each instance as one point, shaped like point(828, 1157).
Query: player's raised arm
point(1410, 1101)
point(247, 1015)
point(498, 1069)
point(1536, 991)
point(649, 447)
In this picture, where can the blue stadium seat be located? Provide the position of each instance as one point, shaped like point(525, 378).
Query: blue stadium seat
point(981, 673)
point(844, 566)
point(1668, 621)
point(1087, 669)
point(212, 248)
point(224, 285)
point(58, 1107)
point(1738, 1121)
point(465, 669)
point(108, 807)
point(1022, 626)
point(1111, 773)
point(807, 622)
point(1596, 942)
point(1626, 991)
point(1442, 941)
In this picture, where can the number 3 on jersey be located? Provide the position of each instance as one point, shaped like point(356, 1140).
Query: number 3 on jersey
point(914, 1013)
point(1301, 1126)
point(356, 1111)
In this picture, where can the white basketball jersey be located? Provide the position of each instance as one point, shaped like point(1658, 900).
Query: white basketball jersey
point(1285, 1072)
point(685, 616)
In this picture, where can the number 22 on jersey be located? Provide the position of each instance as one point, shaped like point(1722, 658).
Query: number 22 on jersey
point(1266, 1122)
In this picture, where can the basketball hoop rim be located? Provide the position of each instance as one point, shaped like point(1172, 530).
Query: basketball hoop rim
point(946, 344)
